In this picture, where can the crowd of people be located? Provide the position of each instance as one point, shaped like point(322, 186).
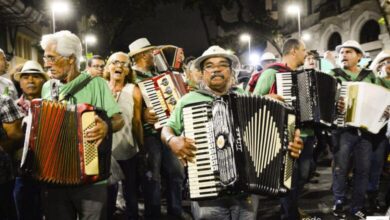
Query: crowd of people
point(147, 162)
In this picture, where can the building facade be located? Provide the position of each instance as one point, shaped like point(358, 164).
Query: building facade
point(331, 22)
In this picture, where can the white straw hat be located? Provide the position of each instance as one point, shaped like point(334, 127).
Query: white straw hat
point(378, 59)
point(217, 51)
point(139, 45)
point(350, 44)
point(31, 67)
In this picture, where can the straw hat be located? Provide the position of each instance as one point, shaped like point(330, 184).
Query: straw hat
point(139, 45)
point(217, 51)
point(350, 44)
point(378, 59)
point(267, 56)
point(31, 67)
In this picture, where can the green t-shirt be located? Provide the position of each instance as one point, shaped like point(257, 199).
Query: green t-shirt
point(265, 82)
point(95, 93)
point(370, 78)
point(383, 82)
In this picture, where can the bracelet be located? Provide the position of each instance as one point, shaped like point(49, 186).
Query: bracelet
point(169, 138)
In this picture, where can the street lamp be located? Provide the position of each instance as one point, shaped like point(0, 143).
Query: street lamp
point(58, 7)
point(89, 39)
point(294, 9)
point(247, 38)
point(306, 37)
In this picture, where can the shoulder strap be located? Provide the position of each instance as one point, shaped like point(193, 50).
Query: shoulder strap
point(363, 74)
point(341, 73)
point(78, 87)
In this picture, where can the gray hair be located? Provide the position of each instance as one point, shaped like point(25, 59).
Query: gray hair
point(67, 44)
point(117, 53)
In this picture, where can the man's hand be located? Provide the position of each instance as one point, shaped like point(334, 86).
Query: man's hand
point(97, 132)
point(341, 105)
point(296, 146)
point(275, 96)
point(150, 116)
point(184, 148)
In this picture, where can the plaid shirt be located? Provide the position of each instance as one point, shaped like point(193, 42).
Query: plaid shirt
point(9, 112)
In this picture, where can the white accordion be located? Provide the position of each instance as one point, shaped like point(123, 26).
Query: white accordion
point(365, 106)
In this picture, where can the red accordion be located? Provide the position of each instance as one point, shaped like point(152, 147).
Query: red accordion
point(55, 150)
point(161, 93)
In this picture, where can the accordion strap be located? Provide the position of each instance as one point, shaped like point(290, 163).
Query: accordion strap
point(77, 88)
point(363, 74)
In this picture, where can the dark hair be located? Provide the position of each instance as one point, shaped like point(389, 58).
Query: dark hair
point(290, 44)
point(95, 57)
point(313, 53)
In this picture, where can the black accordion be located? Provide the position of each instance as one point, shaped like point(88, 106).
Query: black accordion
point(241, 144)
point(312, 94)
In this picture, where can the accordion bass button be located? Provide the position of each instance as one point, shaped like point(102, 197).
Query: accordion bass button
point(220, 141)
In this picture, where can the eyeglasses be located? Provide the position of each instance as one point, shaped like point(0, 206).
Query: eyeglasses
point(52, 59)
point(120, 63)
point(211, 67)
point(387, 62)
point(98, 66)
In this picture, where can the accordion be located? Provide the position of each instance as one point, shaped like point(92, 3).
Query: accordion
point(241, 146)
point(161, 93)
point(365, 105)
point(311, 93)
point(55, 150)
point(168, 58)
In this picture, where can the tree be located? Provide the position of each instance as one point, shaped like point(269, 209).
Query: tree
point(234, 17)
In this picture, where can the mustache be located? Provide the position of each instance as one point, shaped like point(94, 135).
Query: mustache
point(342, 60)
point(214, 75)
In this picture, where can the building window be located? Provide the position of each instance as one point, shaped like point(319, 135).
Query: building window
point(369, 32)
point(334, 40)
point(23, 47)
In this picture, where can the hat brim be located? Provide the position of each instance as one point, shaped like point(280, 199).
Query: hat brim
point(338, 48)
point(231, 57)
point(378, 60)
point(135, 52)
point(17, 75)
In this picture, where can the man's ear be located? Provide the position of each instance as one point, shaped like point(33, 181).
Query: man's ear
point(72, 59)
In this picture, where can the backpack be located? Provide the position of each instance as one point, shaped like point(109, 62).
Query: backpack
point(279, 67)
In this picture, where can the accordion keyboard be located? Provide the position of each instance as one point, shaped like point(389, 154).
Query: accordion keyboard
point(202, 172)
point(154, 100)
point(284, 83)
point(340, 119)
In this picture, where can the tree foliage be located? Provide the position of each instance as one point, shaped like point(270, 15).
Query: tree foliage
point(232, 17)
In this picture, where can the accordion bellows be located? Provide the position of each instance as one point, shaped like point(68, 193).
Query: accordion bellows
point(56, 151)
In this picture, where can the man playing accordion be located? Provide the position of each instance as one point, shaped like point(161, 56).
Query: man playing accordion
point(62, 53)
point(217, 67)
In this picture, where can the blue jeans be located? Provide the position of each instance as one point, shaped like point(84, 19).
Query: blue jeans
point(347, 143)
point(27, 195)
point(377, 161)
point(289, 203)
point(233, 208)
point(160, 158)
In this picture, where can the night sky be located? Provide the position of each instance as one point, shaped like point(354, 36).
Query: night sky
point(171, 25)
